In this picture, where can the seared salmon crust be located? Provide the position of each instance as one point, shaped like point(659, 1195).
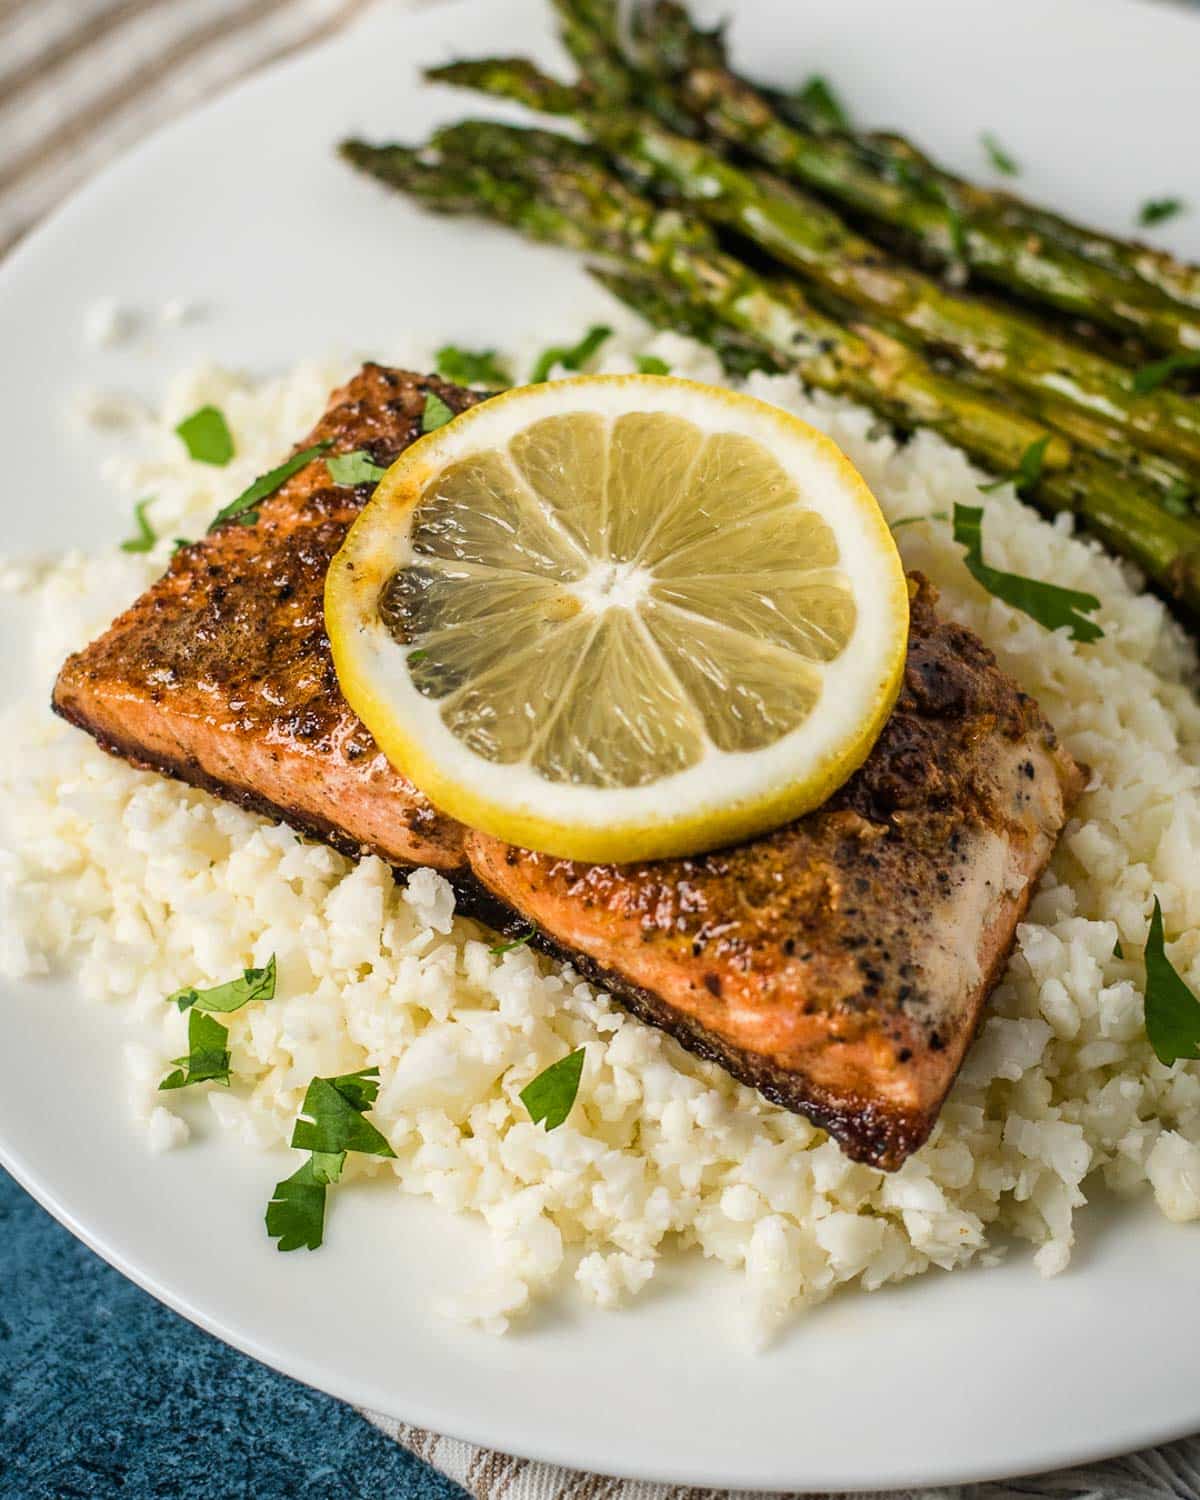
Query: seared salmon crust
point(839, 965)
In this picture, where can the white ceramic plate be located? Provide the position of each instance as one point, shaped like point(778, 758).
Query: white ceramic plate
point(243, 208)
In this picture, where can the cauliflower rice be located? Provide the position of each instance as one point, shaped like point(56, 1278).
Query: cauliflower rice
point(138, 886)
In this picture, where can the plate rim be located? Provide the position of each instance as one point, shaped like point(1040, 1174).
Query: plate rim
point(1070, 1455)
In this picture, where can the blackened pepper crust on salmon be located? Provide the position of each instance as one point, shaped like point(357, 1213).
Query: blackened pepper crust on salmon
point(221, 674)
point(840, 964)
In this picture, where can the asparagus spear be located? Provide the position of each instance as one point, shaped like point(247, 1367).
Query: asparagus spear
point(673, 43)
point(1007, 348)
point(609, 82)
point(1129, 259)
point(555, 189)
point(663, 305)
point(1158, 268)
point(942, 226)
point(519, 79)
point(669, 41)
point(890, 186)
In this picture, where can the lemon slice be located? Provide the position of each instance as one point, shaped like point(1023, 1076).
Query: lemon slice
point(621, 617)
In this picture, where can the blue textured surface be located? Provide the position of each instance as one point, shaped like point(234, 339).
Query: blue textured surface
point(104, 1391)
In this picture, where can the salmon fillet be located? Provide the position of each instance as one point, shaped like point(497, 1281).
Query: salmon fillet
point(221, 675)
point(839, 965)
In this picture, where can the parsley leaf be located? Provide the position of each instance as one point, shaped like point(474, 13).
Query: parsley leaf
point(296, 1212)
point(179, 544)
point(518, 942)
point(327, 1165)
point(146, 536)
point(1172, 1011)
point(934, 515)
point(255, 984)
point(331, 1118)
point(1047, 603)
point(471, 366)
point(1150, 377)
point(1027, 472)
point(354, 468)
point(206, 436)
point(1159, 210)
point(359, 1089)
point(242, 509)
point(818, 98)
point(1118, 951)
point(331, 1124)
point(573, 358)
point(998, 156)
point(954, 221)
point(650, 364)
point(208, 1055)
point(551, 1094)
point(436, 413)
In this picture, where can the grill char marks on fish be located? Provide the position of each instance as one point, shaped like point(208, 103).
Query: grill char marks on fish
point(839, 965)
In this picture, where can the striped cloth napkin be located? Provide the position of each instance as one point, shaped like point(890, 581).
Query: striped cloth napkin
point(80, 81)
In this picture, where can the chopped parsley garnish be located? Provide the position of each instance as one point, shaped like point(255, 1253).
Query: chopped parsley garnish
point(255, 984)
point(436, 413)
point(1028, 470)
point(208, 1055)
point(242, 510)
point(650, 364)
point(471, 366)
point(998, 156)
point(1150, 377)
point(934, 515)
point(327, 1165)
point(354, 468)
point(1047, 603)
point(359, 1089)
point(1118, 951)
point(332, 1118)
point(146, 535)
point(331, 1124)
point(206, 436)
point(1177, 501)
point(179, 544)
point(296, 1212)
point(1172, 1011)
point(1159, 210)
point(417, 656)
point(954, 222)
point(551, 1094)
point(208, 1040)
point(517, 942)
point(820, 101)
point(572, 358)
